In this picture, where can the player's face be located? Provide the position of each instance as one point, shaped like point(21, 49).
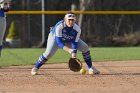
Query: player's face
point(70, 22)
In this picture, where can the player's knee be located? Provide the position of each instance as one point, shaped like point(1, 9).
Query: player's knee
point(85, 48)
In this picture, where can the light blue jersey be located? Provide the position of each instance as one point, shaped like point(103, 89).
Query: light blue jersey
point(64, 34)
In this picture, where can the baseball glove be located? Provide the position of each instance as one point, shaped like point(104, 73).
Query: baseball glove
point(74, 64)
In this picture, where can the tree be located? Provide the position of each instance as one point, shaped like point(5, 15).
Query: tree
point(13, 36)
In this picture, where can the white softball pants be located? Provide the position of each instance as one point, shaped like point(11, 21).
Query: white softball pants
point(2, 28)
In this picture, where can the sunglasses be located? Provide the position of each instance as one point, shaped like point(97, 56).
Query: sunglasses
point(71, 19)
point(71, 15)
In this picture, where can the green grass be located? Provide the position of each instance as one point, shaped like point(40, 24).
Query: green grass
point(112, 54)
point(29, 56)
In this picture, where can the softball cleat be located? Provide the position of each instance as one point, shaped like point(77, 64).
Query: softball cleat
point(34, 71)
point(93, 70)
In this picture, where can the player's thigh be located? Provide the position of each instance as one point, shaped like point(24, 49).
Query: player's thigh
point(51, 46)
point(2, 28)
point(2, 24)
point(82, 46)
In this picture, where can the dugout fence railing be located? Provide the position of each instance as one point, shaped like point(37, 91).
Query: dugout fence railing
point(77, 12)
point(62, 13)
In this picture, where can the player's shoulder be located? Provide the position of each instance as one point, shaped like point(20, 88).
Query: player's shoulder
point(59, 25)
point(77, 27)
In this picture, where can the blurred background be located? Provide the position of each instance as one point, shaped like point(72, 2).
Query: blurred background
point(31, 30)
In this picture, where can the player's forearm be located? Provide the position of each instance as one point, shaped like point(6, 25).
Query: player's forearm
point(59, 42)
point(67, 49)
point(71, 51)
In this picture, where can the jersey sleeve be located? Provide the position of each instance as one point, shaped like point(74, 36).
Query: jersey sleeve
point(74, 44)
point(58, 36)
point(58, 31)
point(77, 28)
point(59, 42)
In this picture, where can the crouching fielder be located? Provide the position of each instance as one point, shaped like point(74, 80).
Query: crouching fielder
point(65, 34)
point(4, 7)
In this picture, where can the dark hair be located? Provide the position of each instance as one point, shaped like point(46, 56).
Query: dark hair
point(70, 12)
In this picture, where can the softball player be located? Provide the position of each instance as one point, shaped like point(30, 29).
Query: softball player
point(65, 34)
point(4, 7)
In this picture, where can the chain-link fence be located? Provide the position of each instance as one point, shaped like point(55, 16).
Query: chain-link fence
point(30, 27)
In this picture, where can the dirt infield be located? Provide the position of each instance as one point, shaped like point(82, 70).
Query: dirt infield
point(115, 77)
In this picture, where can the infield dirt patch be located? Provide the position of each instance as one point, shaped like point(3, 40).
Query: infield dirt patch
point(115, 77)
